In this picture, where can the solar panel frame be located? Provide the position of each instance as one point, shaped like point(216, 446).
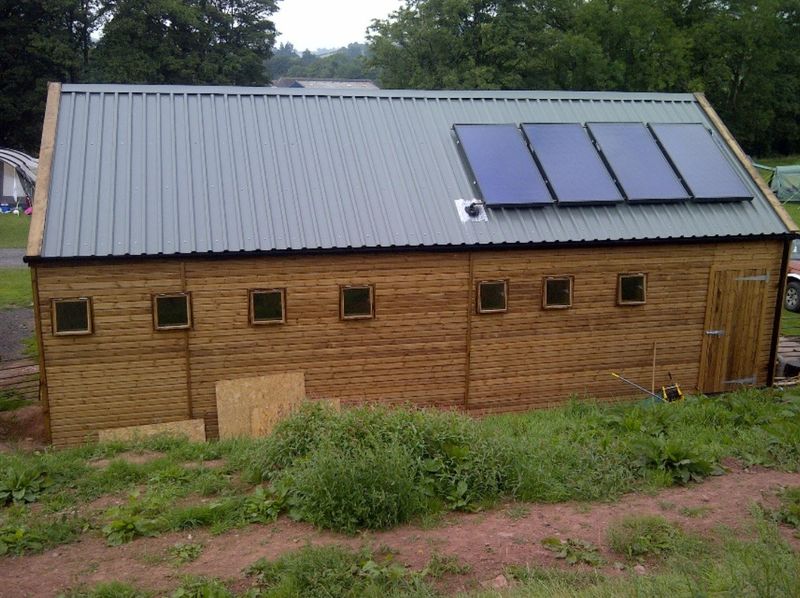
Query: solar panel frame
point(695, 169)
point(532, 188)
point(564, 191)
point(625, 165)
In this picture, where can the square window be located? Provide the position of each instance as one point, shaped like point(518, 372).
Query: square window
point(72, 316)
point(632, 289)
point(357, 302)
point(267, 306)
point(492, 296)
point(557, 292)
point(172, 311)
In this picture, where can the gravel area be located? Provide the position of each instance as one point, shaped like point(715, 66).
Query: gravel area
point(15, 326)
point(10, 258)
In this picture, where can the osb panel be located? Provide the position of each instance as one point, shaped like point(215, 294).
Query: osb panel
point(192, 429)
point(268, 398)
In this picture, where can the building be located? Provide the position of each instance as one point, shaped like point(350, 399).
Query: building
point(319, 83)
point(185, 235)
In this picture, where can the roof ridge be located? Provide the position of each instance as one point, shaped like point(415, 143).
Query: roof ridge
point(518, 94)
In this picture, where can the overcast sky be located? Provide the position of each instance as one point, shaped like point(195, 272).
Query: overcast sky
point(313, 24)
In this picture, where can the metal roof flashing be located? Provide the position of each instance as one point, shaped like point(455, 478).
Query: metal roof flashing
point(179, 170)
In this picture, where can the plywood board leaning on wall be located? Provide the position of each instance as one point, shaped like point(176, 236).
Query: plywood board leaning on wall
point(252, 406)
point(193, 430)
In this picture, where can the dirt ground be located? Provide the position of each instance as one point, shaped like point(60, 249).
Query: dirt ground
point(488, 541)
point(15, 326)
point(22, 428)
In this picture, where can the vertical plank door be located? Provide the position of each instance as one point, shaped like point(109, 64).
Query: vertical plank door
point(733, 323)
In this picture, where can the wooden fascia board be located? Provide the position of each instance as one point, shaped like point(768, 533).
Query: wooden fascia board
point(40, 197)
point(745, 162)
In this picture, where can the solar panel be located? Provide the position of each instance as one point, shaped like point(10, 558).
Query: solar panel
point(573, 167)
point(700, 162)
point(502, 166)
point(638, 163)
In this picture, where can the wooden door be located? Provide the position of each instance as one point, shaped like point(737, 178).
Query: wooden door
point(733, 323)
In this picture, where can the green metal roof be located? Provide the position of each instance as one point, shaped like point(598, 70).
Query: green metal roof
point(161, 170)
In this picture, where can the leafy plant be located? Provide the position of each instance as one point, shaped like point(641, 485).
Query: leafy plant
point(682, 461)
point(574, 551)
point(640, 536)
point(19, 540)
point(130, 521)
point(181, 553)
point(263, 506)
point(439, 565)
point(22, 485)
point(789, 511)
point(201, 587)
point(325, 571)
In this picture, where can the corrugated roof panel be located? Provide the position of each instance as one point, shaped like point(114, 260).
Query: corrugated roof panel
point(148, 170)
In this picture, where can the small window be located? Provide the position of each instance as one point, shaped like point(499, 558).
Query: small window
point(267, 306)
point(172, 311)
point(72, 316)
point(492, 296)
point(632, 289)
point(557, 292)
point(357, 302)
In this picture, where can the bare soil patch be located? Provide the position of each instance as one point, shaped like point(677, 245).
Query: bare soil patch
point(16, 324)
point(487, 542)
point(22, 428)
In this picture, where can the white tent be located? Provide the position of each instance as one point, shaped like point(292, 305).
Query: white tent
point(17, 176)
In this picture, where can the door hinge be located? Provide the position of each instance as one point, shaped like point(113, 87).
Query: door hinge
point(750, 380)
point(715, 333)
point(757, 278)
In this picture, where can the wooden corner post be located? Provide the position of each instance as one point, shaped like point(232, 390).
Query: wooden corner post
point(40, 196)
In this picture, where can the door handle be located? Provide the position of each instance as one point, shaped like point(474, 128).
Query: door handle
point(715, 333)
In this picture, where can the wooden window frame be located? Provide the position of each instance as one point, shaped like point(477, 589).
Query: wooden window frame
point(252, 311)
point(479, 308)
point(89, 316)
point(343, 288)
point(547, 279)
point(154, 302)
point(619, 288)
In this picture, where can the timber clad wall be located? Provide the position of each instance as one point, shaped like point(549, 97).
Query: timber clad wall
point(419, 347)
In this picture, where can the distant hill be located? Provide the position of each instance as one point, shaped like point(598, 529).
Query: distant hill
point(342, 63)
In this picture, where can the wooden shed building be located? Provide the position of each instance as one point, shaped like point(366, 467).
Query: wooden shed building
point(478, 250)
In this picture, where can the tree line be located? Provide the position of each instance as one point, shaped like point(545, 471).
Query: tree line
point(745, 55)
point(219, 42)
point(349, 62)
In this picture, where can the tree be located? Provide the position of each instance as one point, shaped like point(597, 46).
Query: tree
point(40, 41)
point(224, 42)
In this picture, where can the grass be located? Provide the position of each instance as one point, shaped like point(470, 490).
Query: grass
point(13, 231)
point(758, 563)
point(638, 536)
point(15, 288)
point(372, 467)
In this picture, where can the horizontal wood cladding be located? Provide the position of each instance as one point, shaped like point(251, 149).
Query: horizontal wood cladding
point(414, 350)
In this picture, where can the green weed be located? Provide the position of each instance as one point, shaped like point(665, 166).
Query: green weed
point(114, 589)
point(182, 553)
point(322, 572)
point(20, 485)
point(574, 551)
point(135, 519)
point(439, 565)
point(639, 536)
point(11, 400)
point(201, 587)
